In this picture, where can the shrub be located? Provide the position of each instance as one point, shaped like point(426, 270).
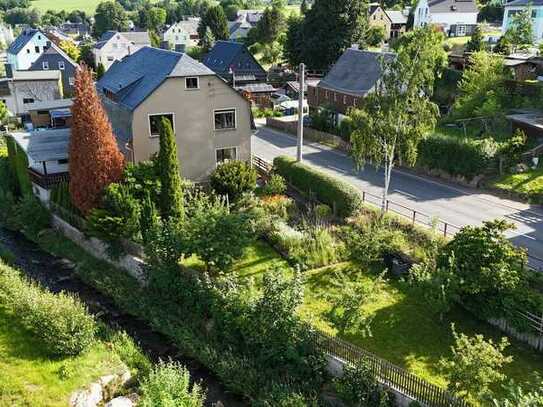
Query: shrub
point(60, 195)
point(276, 185)
point(19, 165)
point(60, 321)
point(120, 203)
point(233, 179)
point(457, 157)
point(6, 255)
point(339, 195)
point(169, 384)
point(359, 387)
point(129, 352)
point(279, 205)
point(32, 215)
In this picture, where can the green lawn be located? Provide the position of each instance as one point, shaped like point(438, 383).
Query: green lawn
point(87, 6)
point(30, 378)
point(530, 183)
point(404, 330)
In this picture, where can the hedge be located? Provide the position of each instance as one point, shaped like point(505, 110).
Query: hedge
point(457, 157)
point(339, 195)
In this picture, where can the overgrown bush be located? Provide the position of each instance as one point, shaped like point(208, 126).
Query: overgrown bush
point(6, 255)
point(339, 195)
point(19, 165)
point(457, 157)
point(32, 216)
point(233, 179)
point(60, 321)
point(358, 387)
point(276, 185)
point(169, 384)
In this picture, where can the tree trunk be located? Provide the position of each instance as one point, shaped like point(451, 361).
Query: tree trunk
point(389, 163)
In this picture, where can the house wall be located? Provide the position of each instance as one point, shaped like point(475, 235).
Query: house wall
point(121, 122)
point(178, 34)
point(448, 19)
point(67, 74)
point(114, 50)
point(340, 102)
point(380, 19)
point(28, 54)
point(537, 20)
point(422, 14)
point(193, 110)
point(37, 90)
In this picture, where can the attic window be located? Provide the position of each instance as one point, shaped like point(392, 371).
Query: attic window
point(192, 83)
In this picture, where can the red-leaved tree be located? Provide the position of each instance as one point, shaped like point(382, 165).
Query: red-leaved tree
point(95, 159)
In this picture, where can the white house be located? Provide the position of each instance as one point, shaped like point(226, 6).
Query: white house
point(516, 6)
point(26, 48)
point(183, 35)
point(23, 88)
point(456, 18)
point(114, 46)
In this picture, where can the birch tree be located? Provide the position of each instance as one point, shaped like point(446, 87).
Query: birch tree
point(398, 114)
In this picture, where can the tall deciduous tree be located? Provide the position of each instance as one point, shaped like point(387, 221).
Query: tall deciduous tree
point(399, 113)
point(95, 159)
point(329, 27)
point(110, 16)
point(171, 194)
point(215, 19)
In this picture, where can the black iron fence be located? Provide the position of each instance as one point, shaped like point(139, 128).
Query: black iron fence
point(388, 374)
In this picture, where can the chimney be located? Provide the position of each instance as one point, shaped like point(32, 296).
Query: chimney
point(9, 70)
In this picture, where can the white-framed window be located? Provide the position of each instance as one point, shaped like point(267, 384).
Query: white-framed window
point(71, 80)
point(115, 45)
point(28, 50)
point(37, 49)
point(225, 119)
point(45, 65)
point(110, 59)
point(154, 123)
point(28, 100)
point(460, 30)
point(61, 65)
point(192, 83)
point(226, 154)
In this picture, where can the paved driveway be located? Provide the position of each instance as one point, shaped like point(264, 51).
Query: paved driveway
point(455, 205)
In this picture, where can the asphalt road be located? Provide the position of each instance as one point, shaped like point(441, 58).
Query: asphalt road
point(457, 206)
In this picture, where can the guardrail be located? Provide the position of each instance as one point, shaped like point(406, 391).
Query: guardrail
point(389, 374)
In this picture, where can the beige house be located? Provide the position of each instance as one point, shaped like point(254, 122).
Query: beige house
point(212, 121)
point(22, 88)
point(377, 17)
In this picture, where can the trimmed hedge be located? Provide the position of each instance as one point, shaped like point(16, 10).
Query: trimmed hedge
point(337, 194)
point(457, 157)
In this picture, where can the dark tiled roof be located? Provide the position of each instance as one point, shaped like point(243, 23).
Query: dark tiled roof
point(140, 38)
point(52, 53)
point(356, 72)
point(224, 55)
point(452, 6)
point(134, 78)
point(20, 42)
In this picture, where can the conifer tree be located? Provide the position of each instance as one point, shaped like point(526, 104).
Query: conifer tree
point(171, 195)
point(94, 157)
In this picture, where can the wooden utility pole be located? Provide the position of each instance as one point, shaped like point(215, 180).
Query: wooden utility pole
point(301, 113)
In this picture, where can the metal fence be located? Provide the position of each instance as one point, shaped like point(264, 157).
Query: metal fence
point(389, 374)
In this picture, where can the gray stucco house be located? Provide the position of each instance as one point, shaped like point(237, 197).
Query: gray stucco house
point(211, 121)
point(53, 58)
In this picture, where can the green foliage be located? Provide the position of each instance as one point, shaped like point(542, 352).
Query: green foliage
point(60, 195)
point(511, 151)
point(6, 255)
point(130, 353)
point(233, 179)
point(276, 185)
point(120, 203)
point(346, 312)
point(60, 321)
point(271, 25)
point(171, 195)
point(342, 197)
point(110, 16)
point(517, 396)
point(457, 156)
point(100, 70)
point(149, 219)
point(19, 163)
point(520, 32)
point(476, 42)
point(375, 36)
point(32, 216)
point(399, 114)
point(481, 88)
point(329, 27)
point(143, 179)
point(359, 388)
point(169, 384)
point(215, 20)
point(214, 234)
point(475, 365)
point(322, 119)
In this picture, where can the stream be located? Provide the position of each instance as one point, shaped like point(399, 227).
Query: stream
point(58, 275)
